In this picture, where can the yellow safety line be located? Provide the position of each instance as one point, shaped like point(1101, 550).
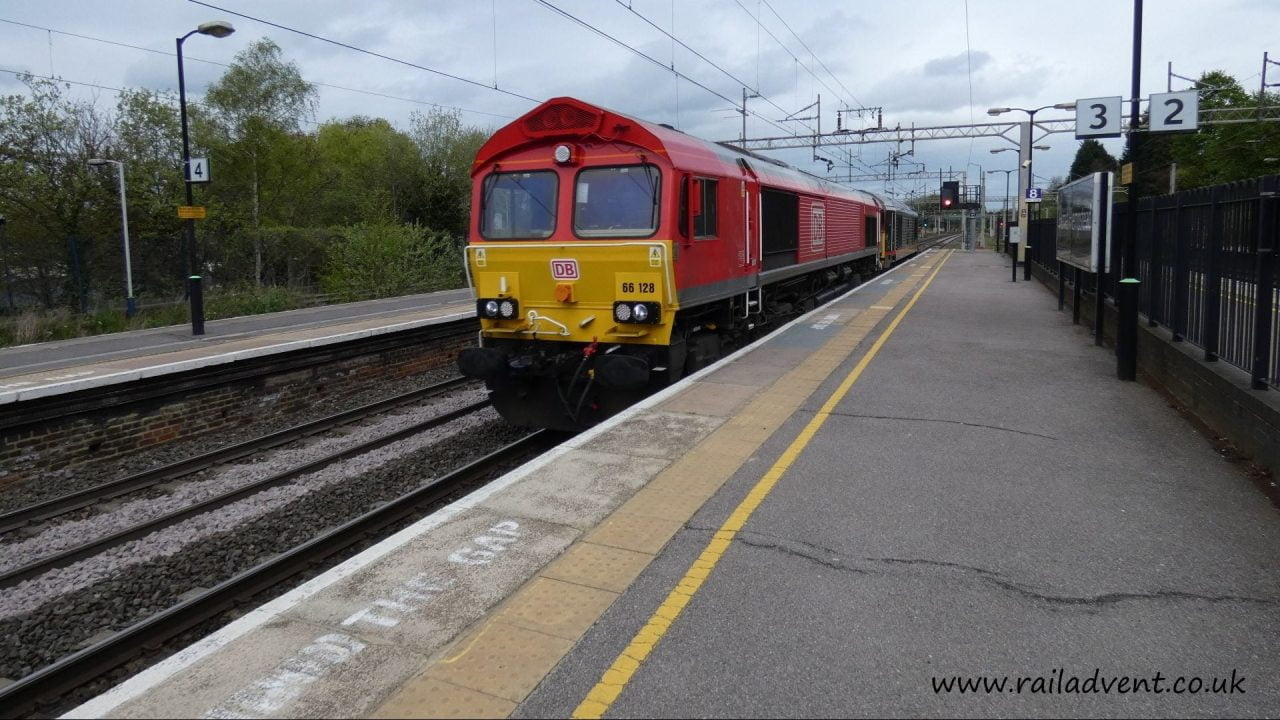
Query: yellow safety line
point(615, 679)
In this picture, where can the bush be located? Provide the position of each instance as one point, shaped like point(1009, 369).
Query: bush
point(251, 301)
point(385, 259)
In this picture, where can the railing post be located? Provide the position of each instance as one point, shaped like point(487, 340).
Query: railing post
point(1155, 309)
point(1213, 279)
point(1127, 329)
point(1181, 276)
point(1264, 279)
point(1062, 285)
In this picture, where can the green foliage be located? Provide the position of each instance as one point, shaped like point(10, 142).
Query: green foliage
point(384, 259)
point(251, 301)
point(289, 203)
point(1090, 158)
point(1216, 153)
point(448, 149)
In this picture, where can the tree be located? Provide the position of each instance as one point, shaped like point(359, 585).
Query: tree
point(47, 194)
point(447, 149)
point(1215, 153)
point(256, 108)
point(147, 139)
point(370, 171)
point(1090, 158)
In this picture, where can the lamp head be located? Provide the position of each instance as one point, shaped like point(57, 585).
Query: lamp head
point(216, 28)
point(998, 111)
point(1041, 147)
point(98, 162)
point(1066, 106)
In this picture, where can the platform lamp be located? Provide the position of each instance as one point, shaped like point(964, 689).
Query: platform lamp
point(1022, 201)
point(1006, 198)
point(218, 29)
point(130, 306)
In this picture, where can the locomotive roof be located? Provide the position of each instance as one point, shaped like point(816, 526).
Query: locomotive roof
point(565, 119)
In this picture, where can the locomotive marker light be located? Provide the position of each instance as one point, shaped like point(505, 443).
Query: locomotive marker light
point(563, 154)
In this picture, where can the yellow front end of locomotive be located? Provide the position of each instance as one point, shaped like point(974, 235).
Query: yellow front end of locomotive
point(614, 292)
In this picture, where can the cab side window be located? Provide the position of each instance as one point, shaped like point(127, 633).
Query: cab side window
point(706, 223)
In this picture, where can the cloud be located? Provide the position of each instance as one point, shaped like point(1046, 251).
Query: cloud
point(957, 64)
point(941, 85)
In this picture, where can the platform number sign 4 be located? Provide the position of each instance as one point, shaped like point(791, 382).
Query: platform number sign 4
point(1178, 111)
point(198, 170)
point(1098, 117)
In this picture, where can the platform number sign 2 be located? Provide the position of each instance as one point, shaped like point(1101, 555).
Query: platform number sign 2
point(198, 170)
point(1177, 111)
point(1098, 117)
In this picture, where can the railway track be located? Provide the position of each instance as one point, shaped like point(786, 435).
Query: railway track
point(53, 681)
point(16, 575)
point(63, 504)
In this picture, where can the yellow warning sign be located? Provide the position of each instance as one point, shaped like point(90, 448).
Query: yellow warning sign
point(1126, 174)
point(191, 212)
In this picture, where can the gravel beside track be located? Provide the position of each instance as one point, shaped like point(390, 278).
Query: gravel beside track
point(65, 621)
point(75, 529)
point(67, 480)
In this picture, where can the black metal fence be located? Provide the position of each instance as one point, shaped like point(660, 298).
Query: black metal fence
point(1207, 262)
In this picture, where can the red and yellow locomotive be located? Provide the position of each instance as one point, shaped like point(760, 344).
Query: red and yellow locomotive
point(611, 256)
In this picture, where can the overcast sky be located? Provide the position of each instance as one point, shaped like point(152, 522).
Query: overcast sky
point(911, 58)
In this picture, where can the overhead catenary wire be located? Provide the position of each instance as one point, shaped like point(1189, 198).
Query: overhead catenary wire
point(348, 46)
point(579, 21)
point(190, 58)
point(704, 58)
point(815, 57)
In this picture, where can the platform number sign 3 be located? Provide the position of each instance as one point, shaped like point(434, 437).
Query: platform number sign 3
point(198, 170)
point(1098, 117)
point(1176, 111)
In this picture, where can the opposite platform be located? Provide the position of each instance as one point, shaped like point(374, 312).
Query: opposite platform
point(53, 368)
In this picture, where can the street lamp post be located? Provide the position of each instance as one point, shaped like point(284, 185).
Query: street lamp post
point(1025, 157)
point(1006, 197)
point(130, 307)
point(218, 29)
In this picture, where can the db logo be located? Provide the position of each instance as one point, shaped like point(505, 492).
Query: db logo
point(564, 269)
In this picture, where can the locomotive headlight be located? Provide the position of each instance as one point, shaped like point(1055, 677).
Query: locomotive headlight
point(641, 313)
point(507, 309)
point(491, 308)
point(563, 154)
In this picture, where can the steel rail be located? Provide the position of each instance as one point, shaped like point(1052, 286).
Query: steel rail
point(58, 678)
point(12, 577)
point(75, 500)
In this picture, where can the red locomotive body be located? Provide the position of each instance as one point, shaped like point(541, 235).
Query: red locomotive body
point(610, 256)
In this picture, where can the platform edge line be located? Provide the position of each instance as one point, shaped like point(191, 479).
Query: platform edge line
point(614, 680)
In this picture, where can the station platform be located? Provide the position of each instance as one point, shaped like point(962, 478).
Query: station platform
point(52, 368)
point(934, 483)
